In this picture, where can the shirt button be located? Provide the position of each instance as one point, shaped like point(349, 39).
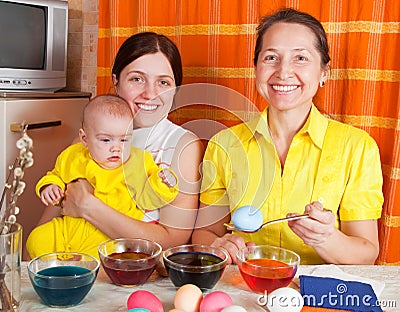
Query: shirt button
point(321, 200)
point(326, 179)
point(234, 175)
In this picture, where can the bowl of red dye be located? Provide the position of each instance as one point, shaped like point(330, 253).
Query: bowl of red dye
point(129, 261)
point(266, 268)
point(195, 264)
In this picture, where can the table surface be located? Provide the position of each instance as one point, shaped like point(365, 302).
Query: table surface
point(104, 296)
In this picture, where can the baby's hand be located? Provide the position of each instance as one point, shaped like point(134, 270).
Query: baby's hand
point(168, 178)
point(51, 194)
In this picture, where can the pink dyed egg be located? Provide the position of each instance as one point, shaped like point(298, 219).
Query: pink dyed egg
point(146, 300)
point(215, 301)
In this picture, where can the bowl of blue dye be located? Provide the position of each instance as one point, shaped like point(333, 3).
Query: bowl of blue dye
point(195, 264)
point(63, 279)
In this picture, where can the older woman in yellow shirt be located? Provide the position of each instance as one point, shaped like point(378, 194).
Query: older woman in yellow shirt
point(293, 160)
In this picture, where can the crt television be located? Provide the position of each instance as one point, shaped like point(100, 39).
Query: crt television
point(33, 45)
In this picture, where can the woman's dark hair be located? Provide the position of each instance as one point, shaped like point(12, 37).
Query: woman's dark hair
point(148, 43)
point(294, 17)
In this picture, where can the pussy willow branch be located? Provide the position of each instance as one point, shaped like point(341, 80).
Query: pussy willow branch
point(15, 193)
point(24, 160)
point(6, 187)
point(8, 212)
point(5, 297)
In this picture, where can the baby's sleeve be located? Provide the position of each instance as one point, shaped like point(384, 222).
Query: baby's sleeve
point(143, 180)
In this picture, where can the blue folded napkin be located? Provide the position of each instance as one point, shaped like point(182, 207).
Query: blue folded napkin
point(327, 292)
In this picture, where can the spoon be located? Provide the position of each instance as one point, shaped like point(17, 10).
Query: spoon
point(231, 227)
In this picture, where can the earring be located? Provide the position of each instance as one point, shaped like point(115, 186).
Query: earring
point(321, 83)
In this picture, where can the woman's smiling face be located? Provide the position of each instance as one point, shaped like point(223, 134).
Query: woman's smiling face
point(288, 70)
point(148, 85)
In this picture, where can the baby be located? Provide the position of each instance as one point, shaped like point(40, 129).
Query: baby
point(124, 177)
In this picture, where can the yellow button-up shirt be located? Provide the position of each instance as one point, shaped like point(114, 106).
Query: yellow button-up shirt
point(327, 161)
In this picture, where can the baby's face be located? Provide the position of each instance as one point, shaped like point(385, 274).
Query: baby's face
point(109, 140)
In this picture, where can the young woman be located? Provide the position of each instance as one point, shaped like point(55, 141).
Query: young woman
point(147, 73)
point(293, 160)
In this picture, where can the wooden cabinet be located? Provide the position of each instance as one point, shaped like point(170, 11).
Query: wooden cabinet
point(54, 121)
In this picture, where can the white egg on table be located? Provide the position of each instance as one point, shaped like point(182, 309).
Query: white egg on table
point(234, 308)
point(285, 299)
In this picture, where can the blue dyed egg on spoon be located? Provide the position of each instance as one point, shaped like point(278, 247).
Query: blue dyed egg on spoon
point(247, 218)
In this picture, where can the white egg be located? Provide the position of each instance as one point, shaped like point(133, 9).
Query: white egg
point(285, 299)
point(234, 308)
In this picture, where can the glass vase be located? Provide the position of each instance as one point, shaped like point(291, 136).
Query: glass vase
point(10, 268)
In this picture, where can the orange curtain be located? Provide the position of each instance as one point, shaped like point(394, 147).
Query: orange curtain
point(216, 40)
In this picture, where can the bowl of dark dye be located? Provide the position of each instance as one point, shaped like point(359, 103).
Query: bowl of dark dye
point(200, 265)
point(63, 279)
point(266, 268)
point(129, 261)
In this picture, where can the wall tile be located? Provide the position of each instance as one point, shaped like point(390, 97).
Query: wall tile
point(82, 45)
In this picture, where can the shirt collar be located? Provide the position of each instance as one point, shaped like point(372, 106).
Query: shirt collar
point(262, 125)
point(315, 126)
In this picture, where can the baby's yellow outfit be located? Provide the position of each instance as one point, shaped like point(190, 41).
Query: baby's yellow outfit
point(131, 189)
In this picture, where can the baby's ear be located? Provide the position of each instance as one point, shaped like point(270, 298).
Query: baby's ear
point(82, 137)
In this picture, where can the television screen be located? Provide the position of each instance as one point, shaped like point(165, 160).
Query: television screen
point(23, 36)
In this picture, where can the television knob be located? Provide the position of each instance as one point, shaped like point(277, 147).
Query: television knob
point(19, 82)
